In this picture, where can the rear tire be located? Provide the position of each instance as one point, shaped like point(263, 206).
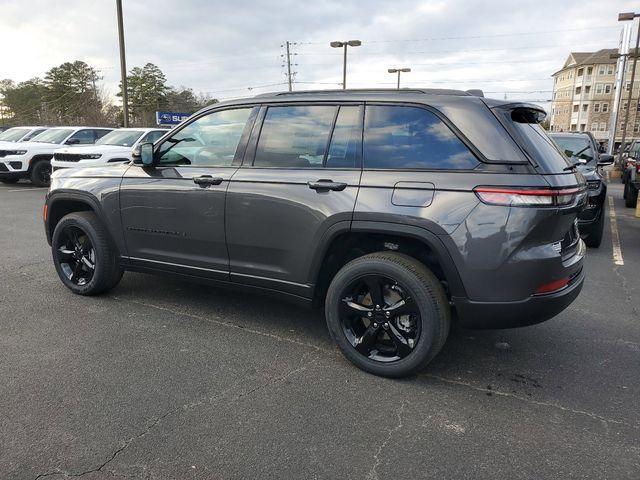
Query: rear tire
point(9, 181)
point(595, 237)
point(85, 258)
point(631, 198)
point(368, 335)
point(41, 173)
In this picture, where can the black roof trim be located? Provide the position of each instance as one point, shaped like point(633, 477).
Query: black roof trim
point(424, 91)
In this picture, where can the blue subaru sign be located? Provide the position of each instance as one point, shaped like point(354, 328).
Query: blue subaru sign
point(170, 118)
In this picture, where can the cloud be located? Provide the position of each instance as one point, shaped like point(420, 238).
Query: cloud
point(224, 47)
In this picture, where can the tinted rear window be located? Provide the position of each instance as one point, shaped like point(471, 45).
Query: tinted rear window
point(523, 124)
point(400, 137)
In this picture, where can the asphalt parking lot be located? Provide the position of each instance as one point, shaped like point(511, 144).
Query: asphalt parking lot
point(165, 379)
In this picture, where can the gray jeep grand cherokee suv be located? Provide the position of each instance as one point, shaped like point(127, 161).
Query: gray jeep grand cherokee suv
point(396, 210)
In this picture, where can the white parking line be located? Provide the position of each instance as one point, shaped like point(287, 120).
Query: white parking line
point(25, 189)
point(615, 236)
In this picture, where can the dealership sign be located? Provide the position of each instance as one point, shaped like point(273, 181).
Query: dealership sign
point(170, 118)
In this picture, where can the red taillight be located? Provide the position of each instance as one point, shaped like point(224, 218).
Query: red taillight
point(527, 197)
point(552, 286)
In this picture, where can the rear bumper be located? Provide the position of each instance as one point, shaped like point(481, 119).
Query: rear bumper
point(520, 313)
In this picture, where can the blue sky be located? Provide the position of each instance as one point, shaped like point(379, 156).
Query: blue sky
point(226, 48)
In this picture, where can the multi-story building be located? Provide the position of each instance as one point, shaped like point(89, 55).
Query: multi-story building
point(584, 92)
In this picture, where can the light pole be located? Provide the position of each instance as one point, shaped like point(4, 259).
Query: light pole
point(123, 67)
point(623, 17)
point(350, 43)
point(398, 71)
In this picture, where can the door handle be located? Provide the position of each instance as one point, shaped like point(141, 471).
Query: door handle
point(207, 180)
point(326, 185)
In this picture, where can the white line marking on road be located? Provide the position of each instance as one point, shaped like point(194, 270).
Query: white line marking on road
point(615, 236)
point(25, 189)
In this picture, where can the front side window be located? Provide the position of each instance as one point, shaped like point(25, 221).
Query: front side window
point(399, 137)
point(153, 137)
point(295, 136)
point(82, 137)
point(210, 140)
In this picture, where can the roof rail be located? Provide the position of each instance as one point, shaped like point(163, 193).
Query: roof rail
point(427, 91)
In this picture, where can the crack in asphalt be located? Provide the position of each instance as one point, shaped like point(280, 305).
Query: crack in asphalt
point(302, 365)
point(229, 324)
point(534, 402)
point(373, 473)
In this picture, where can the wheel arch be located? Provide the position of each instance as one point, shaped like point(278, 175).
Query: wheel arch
point(343, 244)
point(61, 203)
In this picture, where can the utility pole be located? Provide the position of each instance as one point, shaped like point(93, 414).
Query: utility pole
point(621, 18)
point(123, 66)
point(289, 67)
point(350, 43)
point(621, 68)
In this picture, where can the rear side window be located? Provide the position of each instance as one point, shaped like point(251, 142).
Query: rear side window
point(400, 137)
point(33, 134)
point(295, 137)
point(523, 124)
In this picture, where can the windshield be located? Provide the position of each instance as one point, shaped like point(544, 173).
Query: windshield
point(576, 146)
point(53, 135)
point(13, 134)
point(123, 138)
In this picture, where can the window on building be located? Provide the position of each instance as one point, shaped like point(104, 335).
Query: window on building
point(576, 108)
point(578, 90)
point(587, 89)
point(594, 127)
point(609, 69)
point(624, 106)
point(603, 126)
point(627, 87)
point(605, 107)
point(636, 128)
point(580, 72)
point(573, 127)
point(583, 127)
point(599, 88)
point(638, 107)
point(589, 70)
point(596, 107)
point(585, 107)
point(607, 88)
point(601, 70)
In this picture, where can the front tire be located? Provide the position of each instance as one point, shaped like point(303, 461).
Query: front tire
point(41, 173)
point(84, 256)
point(595, 237)
point(388, 313)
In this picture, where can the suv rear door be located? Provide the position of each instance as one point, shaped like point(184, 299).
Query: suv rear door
point(298, 183)
point(173, 215)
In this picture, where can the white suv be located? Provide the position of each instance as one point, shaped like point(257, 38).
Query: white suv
point(32, 159)
point(20, 134)
point(114, 147)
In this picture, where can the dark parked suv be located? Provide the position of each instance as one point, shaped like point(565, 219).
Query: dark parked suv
point(582, 149)
point(396, 210)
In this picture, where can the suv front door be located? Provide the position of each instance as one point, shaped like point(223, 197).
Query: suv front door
point(298, 184)
point(173, 214)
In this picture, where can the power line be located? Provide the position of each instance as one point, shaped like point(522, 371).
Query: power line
point(495, 35)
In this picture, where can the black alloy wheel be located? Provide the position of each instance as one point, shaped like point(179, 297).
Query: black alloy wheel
point(379, 318)
point(76, 255)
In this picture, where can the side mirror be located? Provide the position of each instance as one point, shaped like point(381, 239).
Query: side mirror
point(72, 141)
point(605, 160)
point(146, 154)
